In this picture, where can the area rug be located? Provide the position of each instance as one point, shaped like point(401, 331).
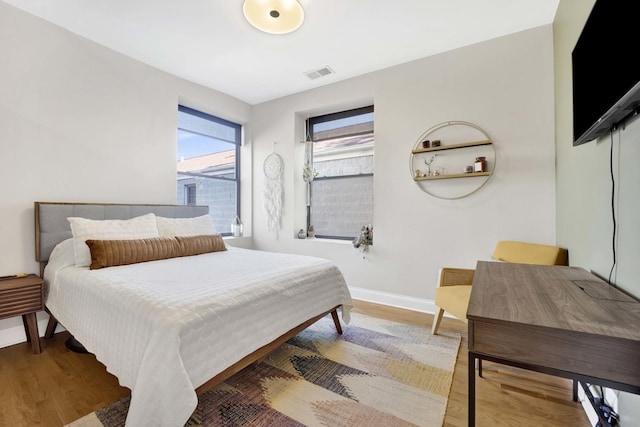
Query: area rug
point(377, 373)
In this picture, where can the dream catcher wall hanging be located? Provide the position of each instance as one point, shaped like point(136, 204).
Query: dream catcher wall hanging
point(273, 192)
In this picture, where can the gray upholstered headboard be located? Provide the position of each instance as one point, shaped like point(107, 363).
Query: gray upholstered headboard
point(52, 226)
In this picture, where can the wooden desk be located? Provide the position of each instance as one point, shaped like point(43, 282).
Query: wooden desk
point(558, 320)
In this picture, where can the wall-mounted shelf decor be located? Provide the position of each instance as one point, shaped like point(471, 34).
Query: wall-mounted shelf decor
point(450, 176)
point(458, 151)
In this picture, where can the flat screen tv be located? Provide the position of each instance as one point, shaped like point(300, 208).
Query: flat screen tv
point(606, 80)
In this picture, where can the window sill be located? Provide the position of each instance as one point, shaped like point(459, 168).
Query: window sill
point(324, 240)
point(240, 242)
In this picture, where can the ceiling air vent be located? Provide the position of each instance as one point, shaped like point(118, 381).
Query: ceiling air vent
point(320, 72)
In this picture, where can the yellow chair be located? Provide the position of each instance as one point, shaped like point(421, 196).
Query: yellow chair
point(454, 284)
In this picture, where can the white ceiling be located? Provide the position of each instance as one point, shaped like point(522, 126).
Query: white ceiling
point(209, 42)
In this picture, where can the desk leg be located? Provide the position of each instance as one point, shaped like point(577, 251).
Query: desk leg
point(472, 390)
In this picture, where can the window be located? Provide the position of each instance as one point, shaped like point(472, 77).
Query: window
point(341, 199)
point(208, 165)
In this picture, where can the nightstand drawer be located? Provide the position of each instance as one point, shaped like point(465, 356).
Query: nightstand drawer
point(23, 295)
point(17, 301)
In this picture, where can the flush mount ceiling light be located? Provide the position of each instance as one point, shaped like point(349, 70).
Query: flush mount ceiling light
point(274, 16)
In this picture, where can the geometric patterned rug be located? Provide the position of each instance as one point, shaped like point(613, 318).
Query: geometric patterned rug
point(377, 373)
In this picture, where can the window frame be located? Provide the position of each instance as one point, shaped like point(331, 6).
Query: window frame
point(238, 145)
point(309, 123)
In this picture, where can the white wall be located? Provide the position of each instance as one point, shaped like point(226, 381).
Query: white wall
point(584, 220)
point(81, 123)
point(505, 86)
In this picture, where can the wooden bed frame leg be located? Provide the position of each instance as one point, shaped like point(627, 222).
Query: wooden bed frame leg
point(51, 326)
point(265, 350)
point(336, 320)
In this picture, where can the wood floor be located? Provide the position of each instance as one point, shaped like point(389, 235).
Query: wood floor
point(58, 386)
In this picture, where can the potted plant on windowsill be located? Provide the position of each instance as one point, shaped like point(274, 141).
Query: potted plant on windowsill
point(364, 239)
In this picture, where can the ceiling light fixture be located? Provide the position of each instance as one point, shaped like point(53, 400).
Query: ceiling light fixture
point(274, 16)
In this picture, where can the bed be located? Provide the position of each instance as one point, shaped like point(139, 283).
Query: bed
point(174, 327)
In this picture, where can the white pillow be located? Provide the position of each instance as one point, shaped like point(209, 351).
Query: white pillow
point(141, 227)
point(185, 227)
point(62, 255)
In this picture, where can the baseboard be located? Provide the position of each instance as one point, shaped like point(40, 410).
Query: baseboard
point(394, 300)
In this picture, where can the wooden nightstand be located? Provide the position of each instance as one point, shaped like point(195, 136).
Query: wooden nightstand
point(23, 296)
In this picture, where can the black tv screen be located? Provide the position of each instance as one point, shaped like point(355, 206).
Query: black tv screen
point(606, 82)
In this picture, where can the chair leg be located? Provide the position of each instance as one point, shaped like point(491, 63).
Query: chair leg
point(437, 318)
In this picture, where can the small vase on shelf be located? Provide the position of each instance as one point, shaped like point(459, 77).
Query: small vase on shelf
point(428, 162)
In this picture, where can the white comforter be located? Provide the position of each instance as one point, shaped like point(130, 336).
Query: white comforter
point(166, 327)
